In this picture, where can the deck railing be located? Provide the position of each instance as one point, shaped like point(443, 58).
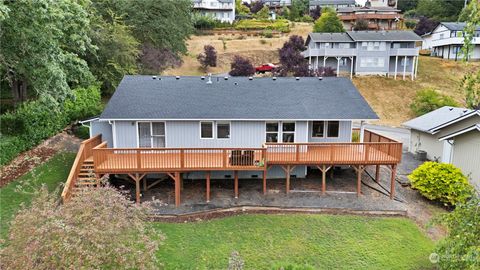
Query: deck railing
point(83, 153)
point(125, 160)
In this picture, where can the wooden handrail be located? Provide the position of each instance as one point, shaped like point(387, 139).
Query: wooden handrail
point(83, 153)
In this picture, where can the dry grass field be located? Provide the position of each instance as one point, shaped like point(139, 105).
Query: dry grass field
point(389, 98)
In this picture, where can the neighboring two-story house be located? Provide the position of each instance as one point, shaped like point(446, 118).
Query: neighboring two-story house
point(378, 18)
point(222, 10)
point(446, 41)
point(389, 53)
point(277, 3)
point(331, 3)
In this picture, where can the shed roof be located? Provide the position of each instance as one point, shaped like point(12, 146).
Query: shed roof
point(429, 121)
point(238, 98)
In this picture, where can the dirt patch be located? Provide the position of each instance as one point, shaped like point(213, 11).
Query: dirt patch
point(30, 159)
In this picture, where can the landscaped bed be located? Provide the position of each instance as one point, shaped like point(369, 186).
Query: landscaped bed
point(318, 241)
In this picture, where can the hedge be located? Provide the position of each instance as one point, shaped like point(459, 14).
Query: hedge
point(35, 121)
point(281, 25)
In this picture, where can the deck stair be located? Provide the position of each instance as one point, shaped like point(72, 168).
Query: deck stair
point(86, 177)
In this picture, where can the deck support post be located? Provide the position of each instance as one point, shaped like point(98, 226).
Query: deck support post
point(351, 67)
point(338, 65)
point(98, 177)
point(181, 181)
point(236, 183)
point(392, 181)
point(265, 181)
point(137, 178)
point(288, 170)
point(177, 189)
point(413, 68)
point(404, 67)
point(208, 186)
point(324, 169)
point(359, 169)
point(377, 173)
point(396, 67)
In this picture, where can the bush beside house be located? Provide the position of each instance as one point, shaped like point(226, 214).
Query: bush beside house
point(37, 120)
point(441, 181)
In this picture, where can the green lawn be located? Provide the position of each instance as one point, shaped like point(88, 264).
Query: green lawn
point(318, 241)
point(51, 173)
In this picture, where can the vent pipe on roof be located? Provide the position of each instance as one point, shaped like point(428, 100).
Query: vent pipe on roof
point(274, 78)
point(235, 83)
point(320, 78)
point(225, 78)
point(202, 78)
point(154, 77)
point(177, 77)
point(250, 78)
point(297, 78)
point(209, 78)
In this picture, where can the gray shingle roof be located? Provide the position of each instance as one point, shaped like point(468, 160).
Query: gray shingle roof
point(384, 36)
point(456, 26)
point(332, 37)
point(436, 118)
point(141, 97)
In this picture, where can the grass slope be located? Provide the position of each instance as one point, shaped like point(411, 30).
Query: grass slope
point(51, 173)
point(319, 241)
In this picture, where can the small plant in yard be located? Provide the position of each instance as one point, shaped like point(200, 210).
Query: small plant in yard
point(460, 249)
point(428, 100)
point(235, 262)
point(241, 66)
point(99, 228)
point(441, 181)
point(208, 58)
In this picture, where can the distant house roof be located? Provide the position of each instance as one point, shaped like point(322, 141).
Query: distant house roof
point(456, 26)
point(430, 121)
point(238, 98)
point(331, 2)
point(354, 36)
point(366, 9)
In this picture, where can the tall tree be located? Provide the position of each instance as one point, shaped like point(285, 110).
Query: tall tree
point(116, 51)
point(406, 5)
point(328, 23)
point(160, 25)
point(315, 13)
point(471, 82)
point(45, 39)
point(440, 10)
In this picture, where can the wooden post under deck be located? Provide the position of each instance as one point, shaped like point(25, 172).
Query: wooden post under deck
point(287, 172)
point(265, 181)
point(377, 173)
point(324, 170)
point(392, 181)
point(177, 189)
point(359, 169)
point(236, 183)
point(137, 178)
point(208, 186)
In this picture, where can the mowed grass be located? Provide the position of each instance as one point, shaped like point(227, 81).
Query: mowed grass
point(317, 241)
point(51, 173)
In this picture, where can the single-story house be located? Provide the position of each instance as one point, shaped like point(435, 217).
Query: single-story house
point(449, 135)
point(230, 128)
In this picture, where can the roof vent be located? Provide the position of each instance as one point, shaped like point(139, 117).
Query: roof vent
point(159, 78)
point(177, 77)
point(465, 111)
point(202, 78)
point(250, 78)
point(297, 78)
point(154, 77)
point(450, 109)
point(225, 78)
point(209, 78)
point(320, 78)
point(274, 78)
point(235, 83)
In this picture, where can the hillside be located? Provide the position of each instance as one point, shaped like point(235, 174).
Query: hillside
point(389, 98)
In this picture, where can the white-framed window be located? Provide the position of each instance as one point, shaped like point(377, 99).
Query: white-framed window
point(288, 132)
point(206, 130)
point(373, 46)
point(333, 128)
point(318, 129)
point(151, 134)
point(372, 62)
point(223, 130)
point(271, 131)
point(405, 63)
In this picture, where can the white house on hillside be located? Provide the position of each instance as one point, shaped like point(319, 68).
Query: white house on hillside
point(449, 135)
point(222, 10)
point(446, 41)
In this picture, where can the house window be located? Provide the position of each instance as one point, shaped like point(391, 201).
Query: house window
point(405, 63)
point(223, 130)
point(372, 62)
point(271, 132)
point(288, 132)
point(206, 130)
point(332, 129)
point(318, 129)
point(151, 134)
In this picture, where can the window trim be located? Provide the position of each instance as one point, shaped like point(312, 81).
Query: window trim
point(229, 129)
point(200, 130)
point(289, 132)
point(151, 135)
point(277, 132)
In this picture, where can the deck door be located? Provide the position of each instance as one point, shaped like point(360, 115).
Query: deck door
point(151, 134)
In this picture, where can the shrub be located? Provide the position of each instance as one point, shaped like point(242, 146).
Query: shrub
point(328, 23)
point(81, 234)
point(410, 24)
point(306, 18)
point(460, 249)
point(208, 58)
point(267, 33)
point(241, 66)
point(81, 132)
point(428, 100)
point(203, 22)
point(441, 181)
point(37, 120)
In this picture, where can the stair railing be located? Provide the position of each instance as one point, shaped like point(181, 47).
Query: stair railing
point(83, 153)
